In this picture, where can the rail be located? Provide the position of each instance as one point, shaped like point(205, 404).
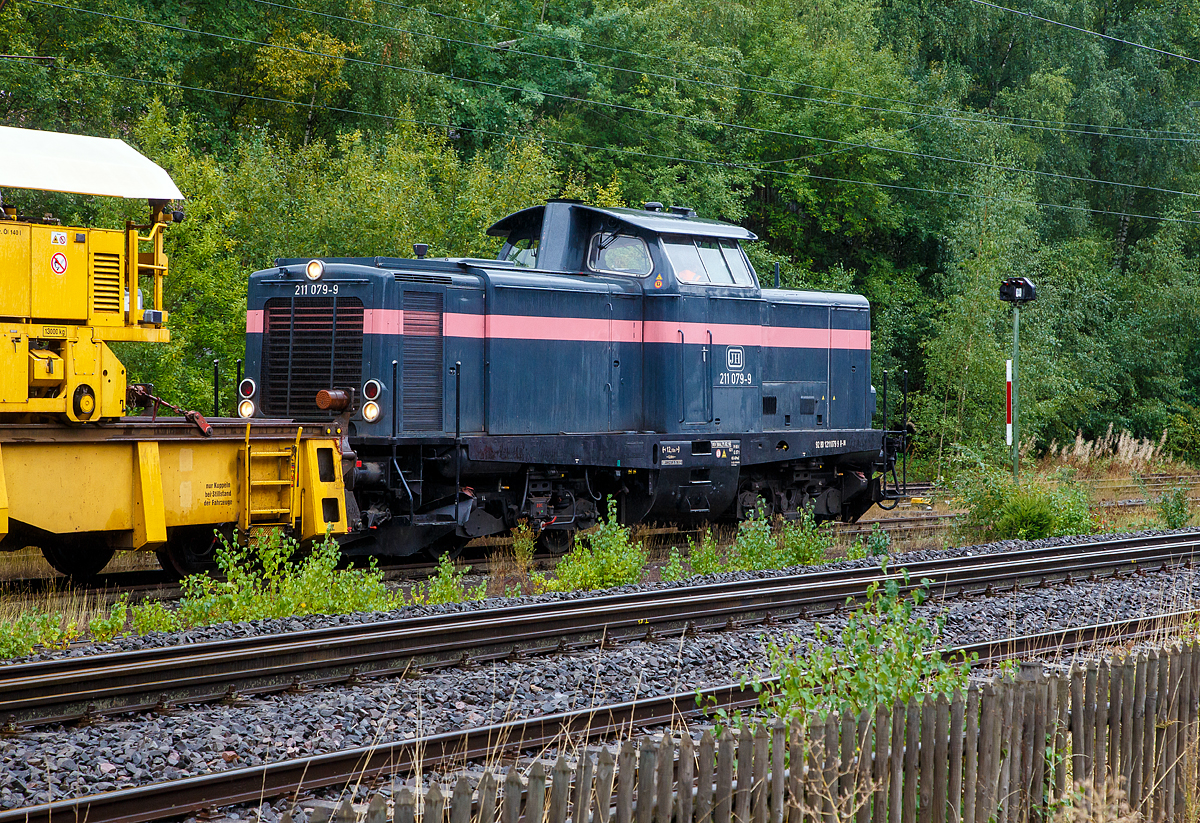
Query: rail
point(172, 799)
point(76, 687)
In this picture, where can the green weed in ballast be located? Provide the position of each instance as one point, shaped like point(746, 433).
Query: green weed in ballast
point(759, 545)
point(886, 653)
point(107, 626)
point(604, 557)
point(267, 577)
point(1175, 508)
point(446, 586)
point(154, 616)
point(674, 571)
point(705, 556)
point(19, 637)
point(1025, 515)
point(879, 541)
point(1000, 509)
point(755, 546)
point(804, 541)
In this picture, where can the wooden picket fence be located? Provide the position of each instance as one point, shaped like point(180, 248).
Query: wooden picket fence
point(1009, 750)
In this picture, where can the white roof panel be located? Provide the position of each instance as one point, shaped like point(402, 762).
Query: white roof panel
point(50, 161)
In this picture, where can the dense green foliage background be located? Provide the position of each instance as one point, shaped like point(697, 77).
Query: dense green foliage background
point(917, 151)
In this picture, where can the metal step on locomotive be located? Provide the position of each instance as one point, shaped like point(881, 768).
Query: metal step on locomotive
point(629, 354)
point(78, 477)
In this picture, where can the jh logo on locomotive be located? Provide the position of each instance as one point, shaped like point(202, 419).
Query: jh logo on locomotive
point(735, 358)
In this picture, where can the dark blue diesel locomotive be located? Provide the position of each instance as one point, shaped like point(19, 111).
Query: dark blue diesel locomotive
point(605, 352)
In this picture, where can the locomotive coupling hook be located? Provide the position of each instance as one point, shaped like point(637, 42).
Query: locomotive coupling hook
point(197, 419)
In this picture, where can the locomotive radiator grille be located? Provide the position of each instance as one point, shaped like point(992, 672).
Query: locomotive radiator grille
point(106, 282)
point(309, 344)
point(422, 361)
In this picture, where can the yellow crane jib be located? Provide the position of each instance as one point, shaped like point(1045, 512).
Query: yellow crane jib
point(69, 291)
point(139, 482)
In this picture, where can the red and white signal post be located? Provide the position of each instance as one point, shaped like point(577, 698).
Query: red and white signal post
point(1008, 402)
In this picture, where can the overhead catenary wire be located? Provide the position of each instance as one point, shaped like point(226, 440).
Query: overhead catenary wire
point(700, 121)
point(960, 116)
point(1082, 30)
point(1024, 122)
point(648, 155)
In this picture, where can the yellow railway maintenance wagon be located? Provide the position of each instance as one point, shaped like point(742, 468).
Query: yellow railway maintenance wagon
point(78, 478)
point(81, 493)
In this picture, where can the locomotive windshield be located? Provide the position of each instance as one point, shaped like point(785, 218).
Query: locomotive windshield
point(521, 252)
point(708, 260)
point(619, 254)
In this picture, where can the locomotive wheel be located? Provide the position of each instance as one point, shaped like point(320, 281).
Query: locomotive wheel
point(188, 551)
point(556, 541)
point(79, 557)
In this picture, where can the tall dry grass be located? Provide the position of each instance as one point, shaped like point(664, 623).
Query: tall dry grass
point(72, 608)
point(28, 564)
point(1112, 453)
point(1096, 803)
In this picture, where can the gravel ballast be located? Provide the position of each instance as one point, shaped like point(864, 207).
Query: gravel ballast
point(224, 631)
point(71, 761)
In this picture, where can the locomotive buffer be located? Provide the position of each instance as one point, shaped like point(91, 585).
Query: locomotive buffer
point(78, 477)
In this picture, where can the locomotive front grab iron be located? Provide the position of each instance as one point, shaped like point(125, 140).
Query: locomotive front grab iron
point(606, 352)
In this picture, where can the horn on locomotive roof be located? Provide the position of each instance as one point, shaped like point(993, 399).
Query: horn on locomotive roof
point(653, 205)
point(683, 211)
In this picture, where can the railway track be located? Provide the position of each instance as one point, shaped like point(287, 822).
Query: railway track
point(154, 581)
point(83, 687)
point(158, 583)
point(170, 799)
point(163, 584)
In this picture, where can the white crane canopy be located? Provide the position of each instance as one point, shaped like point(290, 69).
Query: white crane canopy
point(50, 161)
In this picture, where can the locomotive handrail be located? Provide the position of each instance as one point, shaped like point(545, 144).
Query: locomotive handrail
point(889, 454)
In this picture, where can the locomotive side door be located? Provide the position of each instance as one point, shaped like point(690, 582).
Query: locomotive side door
point(625, 356)
point(849, 367)
point(693, 336)
point(695, 357)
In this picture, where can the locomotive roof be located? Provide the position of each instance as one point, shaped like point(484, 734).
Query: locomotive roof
point(659, 222)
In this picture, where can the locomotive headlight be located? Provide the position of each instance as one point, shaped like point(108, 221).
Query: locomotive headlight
point(314, 270)
point(246, 409)
point(370, 412)
point(247, 388)
point(372, 389)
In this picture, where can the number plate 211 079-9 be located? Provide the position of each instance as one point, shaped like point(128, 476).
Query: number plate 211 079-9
point(315, 289)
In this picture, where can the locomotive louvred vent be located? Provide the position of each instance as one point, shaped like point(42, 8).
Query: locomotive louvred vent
point(422, 361)
point(106, 282)
point(405, 277)
point(309, 344)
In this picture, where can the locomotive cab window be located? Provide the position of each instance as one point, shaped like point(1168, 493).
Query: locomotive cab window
point(735, 258)
point(685, 257)
point(619, 254)
point(521, 252)
point(714, 261)
point(707, 260)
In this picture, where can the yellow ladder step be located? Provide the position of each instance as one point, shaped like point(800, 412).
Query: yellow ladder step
point(270, 454)
point(270, 482)
point(270, 511)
